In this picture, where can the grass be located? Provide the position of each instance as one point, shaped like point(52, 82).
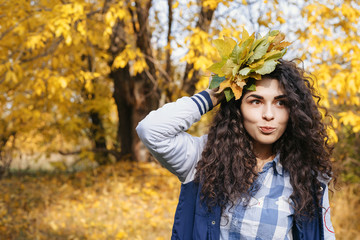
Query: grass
point(123, 201)
point(345, 212)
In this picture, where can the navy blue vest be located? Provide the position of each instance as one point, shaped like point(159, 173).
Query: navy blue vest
point(193, 221)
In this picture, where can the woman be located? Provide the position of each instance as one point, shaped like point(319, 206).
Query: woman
point(260, 173)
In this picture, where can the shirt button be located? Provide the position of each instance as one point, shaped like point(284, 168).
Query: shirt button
point(213, 222)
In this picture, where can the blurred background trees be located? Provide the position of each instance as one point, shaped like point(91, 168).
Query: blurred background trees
point(77, 76)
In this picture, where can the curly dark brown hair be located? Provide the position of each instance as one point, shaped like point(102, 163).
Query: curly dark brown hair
point(227, 168)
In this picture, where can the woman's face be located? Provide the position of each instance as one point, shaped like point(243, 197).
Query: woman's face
point(264, 112)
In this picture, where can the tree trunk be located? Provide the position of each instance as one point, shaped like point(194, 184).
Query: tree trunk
point(5, 153)
point(135, 96)
point(98, 136)
point(97, 130)
point(145, 89)
point(122, 81)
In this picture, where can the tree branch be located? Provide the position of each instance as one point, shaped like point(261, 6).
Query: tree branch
point(168, 60)
point(133, 20)
point(48, 51)
point(105, 6)
point(12, 27)
point(158, 67)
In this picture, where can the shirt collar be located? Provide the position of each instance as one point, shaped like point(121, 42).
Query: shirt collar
point(275, 164)
point(278, 168)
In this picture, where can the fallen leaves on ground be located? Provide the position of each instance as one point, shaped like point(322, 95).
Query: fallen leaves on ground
point(123, 201)
point(126, 200)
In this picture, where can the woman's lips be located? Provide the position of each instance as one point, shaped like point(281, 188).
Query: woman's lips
point(267, 130)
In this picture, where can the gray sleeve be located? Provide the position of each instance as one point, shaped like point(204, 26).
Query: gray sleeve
point(163, 133)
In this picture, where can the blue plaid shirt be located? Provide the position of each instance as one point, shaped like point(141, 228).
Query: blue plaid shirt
point(268, 214)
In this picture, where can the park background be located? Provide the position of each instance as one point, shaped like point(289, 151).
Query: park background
point(77, 76)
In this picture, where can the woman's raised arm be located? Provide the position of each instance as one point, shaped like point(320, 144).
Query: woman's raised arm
point(163, 133)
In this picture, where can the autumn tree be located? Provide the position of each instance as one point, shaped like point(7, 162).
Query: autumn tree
point(65, 64)
point(332, 32)
point(77, 76)
point(332, 37)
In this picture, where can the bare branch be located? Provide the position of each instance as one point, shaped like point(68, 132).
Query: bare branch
point(48, 51)
point(12, 27)
point(133, 19)
point(168, 60)
point(158, 67)
point(105, 6)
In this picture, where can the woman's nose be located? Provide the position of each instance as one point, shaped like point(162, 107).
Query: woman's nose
point(268, 113)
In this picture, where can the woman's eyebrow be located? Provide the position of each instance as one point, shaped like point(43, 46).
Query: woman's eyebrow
point(261, 97)
point(280, 96)
point(255, 96)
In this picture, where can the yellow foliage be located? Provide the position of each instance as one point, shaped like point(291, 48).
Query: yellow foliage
point(351, 118)
point(10, 77)
point(200, 62)
point(113, 14)
point(332, 135)
point(334, 54)
point(133, 56)
point(281, 20)
point(212, 4)
point(52, 57)
point(201, 52)
point(55, 56)
point(176, 4)
point(203, 83)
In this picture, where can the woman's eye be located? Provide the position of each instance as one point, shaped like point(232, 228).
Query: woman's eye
point(281, 103)
point(255, 102)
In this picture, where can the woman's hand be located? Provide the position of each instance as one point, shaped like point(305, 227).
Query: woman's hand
point(216, 98)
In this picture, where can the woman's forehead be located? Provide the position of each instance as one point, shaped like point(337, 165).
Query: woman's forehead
point(268, 86)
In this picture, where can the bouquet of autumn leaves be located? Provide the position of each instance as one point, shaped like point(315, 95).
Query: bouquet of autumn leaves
point(250, 59)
